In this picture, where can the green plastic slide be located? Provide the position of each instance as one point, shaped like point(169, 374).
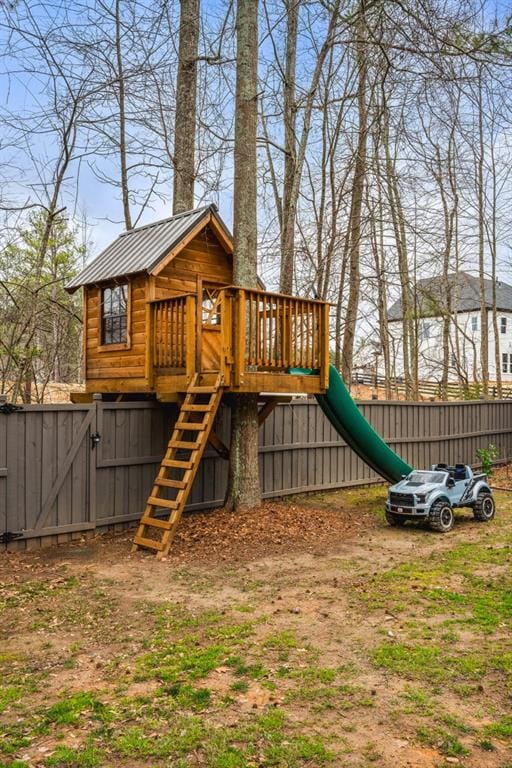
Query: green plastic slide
point(359, 435)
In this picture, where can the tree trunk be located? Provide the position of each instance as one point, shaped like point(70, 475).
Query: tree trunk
point(484, 321)
point(185, 122)
point(354, 224)
point(122, 121)
point(243, 480)
point(288, 217)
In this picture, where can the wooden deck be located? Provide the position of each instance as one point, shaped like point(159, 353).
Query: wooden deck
point(251, 338)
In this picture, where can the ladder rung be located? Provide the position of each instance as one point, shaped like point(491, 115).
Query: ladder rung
point(177, 463)
point(150, 543)
point(184, 444)
point(155, 522)
point(170, 483)
point(196, 408)
point(156, 501)
point(202, 390)
point(191, 426)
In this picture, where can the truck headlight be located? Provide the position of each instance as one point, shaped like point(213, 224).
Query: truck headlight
point(422, 497)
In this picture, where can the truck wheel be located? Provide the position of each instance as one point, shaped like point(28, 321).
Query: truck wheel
point(485, 507)
point(394, 519)
point(441, 517)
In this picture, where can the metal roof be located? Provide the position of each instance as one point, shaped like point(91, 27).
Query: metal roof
point(141, 249)
point(430, 295)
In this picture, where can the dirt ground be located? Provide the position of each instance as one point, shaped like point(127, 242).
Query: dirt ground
point(308, 633)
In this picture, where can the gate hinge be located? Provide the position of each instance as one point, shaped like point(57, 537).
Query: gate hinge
point(95, 438)
point(9, 536)
point(8, 408)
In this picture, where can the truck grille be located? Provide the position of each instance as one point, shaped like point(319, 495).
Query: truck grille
point(402, 499)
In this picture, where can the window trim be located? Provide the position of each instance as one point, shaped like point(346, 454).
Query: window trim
point(124, 345)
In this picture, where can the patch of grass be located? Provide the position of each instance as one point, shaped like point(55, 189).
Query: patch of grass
point(182, 735)
point(482, 602)
point(430, 662)
point(447, 743)
point(418, 702)
point(15, 764)
point(486, 745)
point(420, 662)
point(240, 686)
point(502, 729)
point(189, 697)
point(68, 711)
point(14, 738)
point(284, 640)
point(240, 668)
point(182, 659)
point(14, 595)
point(9, 694)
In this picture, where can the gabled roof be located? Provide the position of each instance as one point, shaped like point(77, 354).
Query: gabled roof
point(430, 295)
point(143, 248)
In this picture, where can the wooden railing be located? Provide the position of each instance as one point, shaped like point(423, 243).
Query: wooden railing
point(170, 331)
point(261, 332)
point(282, 331)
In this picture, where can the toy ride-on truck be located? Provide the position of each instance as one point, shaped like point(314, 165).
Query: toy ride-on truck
point(432, 495)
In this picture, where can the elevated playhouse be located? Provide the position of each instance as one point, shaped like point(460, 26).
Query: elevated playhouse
point(163, 319)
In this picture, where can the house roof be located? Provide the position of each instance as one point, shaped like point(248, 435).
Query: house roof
point(430, 293)
point(141, 249)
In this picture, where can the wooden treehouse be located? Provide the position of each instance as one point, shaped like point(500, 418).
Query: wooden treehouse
point(163, 319)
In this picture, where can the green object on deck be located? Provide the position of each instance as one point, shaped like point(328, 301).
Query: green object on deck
point(349, 422)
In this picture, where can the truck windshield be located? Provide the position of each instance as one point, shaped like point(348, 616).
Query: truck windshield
point(422, 478)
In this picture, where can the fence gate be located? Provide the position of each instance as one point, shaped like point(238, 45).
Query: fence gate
point(47, 471)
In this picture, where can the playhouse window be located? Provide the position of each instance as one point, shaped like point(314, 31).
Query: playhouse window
point(114, 314)
point(503, 321)
point(474, 323)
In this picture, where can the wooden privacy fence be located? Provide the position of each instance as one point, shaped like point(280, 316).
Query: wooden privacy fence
point(66, 469)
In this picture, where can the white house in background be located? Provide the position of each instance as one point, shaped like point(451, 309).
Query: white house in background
point(465, 328)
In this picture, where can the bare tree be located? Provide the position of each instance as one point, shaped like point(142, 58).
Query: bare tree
point(243, 481)
point(185, 122)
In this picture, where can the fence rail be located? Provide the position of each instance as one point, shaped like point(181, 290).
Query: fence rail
point(68, 469)
point(434, 389)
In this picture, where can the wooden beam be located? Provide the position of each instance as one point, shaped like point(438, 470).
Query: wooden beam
point(218, 445)
point(267, 409)
point(80, 397)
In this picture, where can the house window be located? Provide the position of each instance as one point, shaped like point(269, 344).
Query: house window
point(114, 315)
point(503, 324)
point(504, 363)
point(425, 330)
point(474, 323)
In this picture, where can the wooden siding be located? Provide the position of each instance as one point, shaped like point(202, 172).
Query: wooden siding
point(102, 363)
point(122, 370)
point(202, 258)
point(54, 484)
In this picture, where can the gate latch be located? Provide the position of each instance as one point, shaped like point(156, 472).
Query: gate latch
point(95, 438)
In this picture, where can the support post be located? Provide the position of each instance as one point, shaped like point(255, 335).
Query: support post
point(190, 336)
point(239, 350)
point(150, 344)
point(324, 341)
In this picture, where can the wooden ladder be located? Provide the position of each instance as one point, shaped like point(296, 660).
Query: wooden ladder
point(175, 477)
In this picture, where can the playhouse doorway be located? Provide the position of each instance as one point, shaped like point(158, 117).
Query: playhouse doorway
point(210, 327)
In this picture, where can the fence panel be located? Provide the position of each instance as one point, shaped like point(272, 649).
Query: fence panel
point(55, 479)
